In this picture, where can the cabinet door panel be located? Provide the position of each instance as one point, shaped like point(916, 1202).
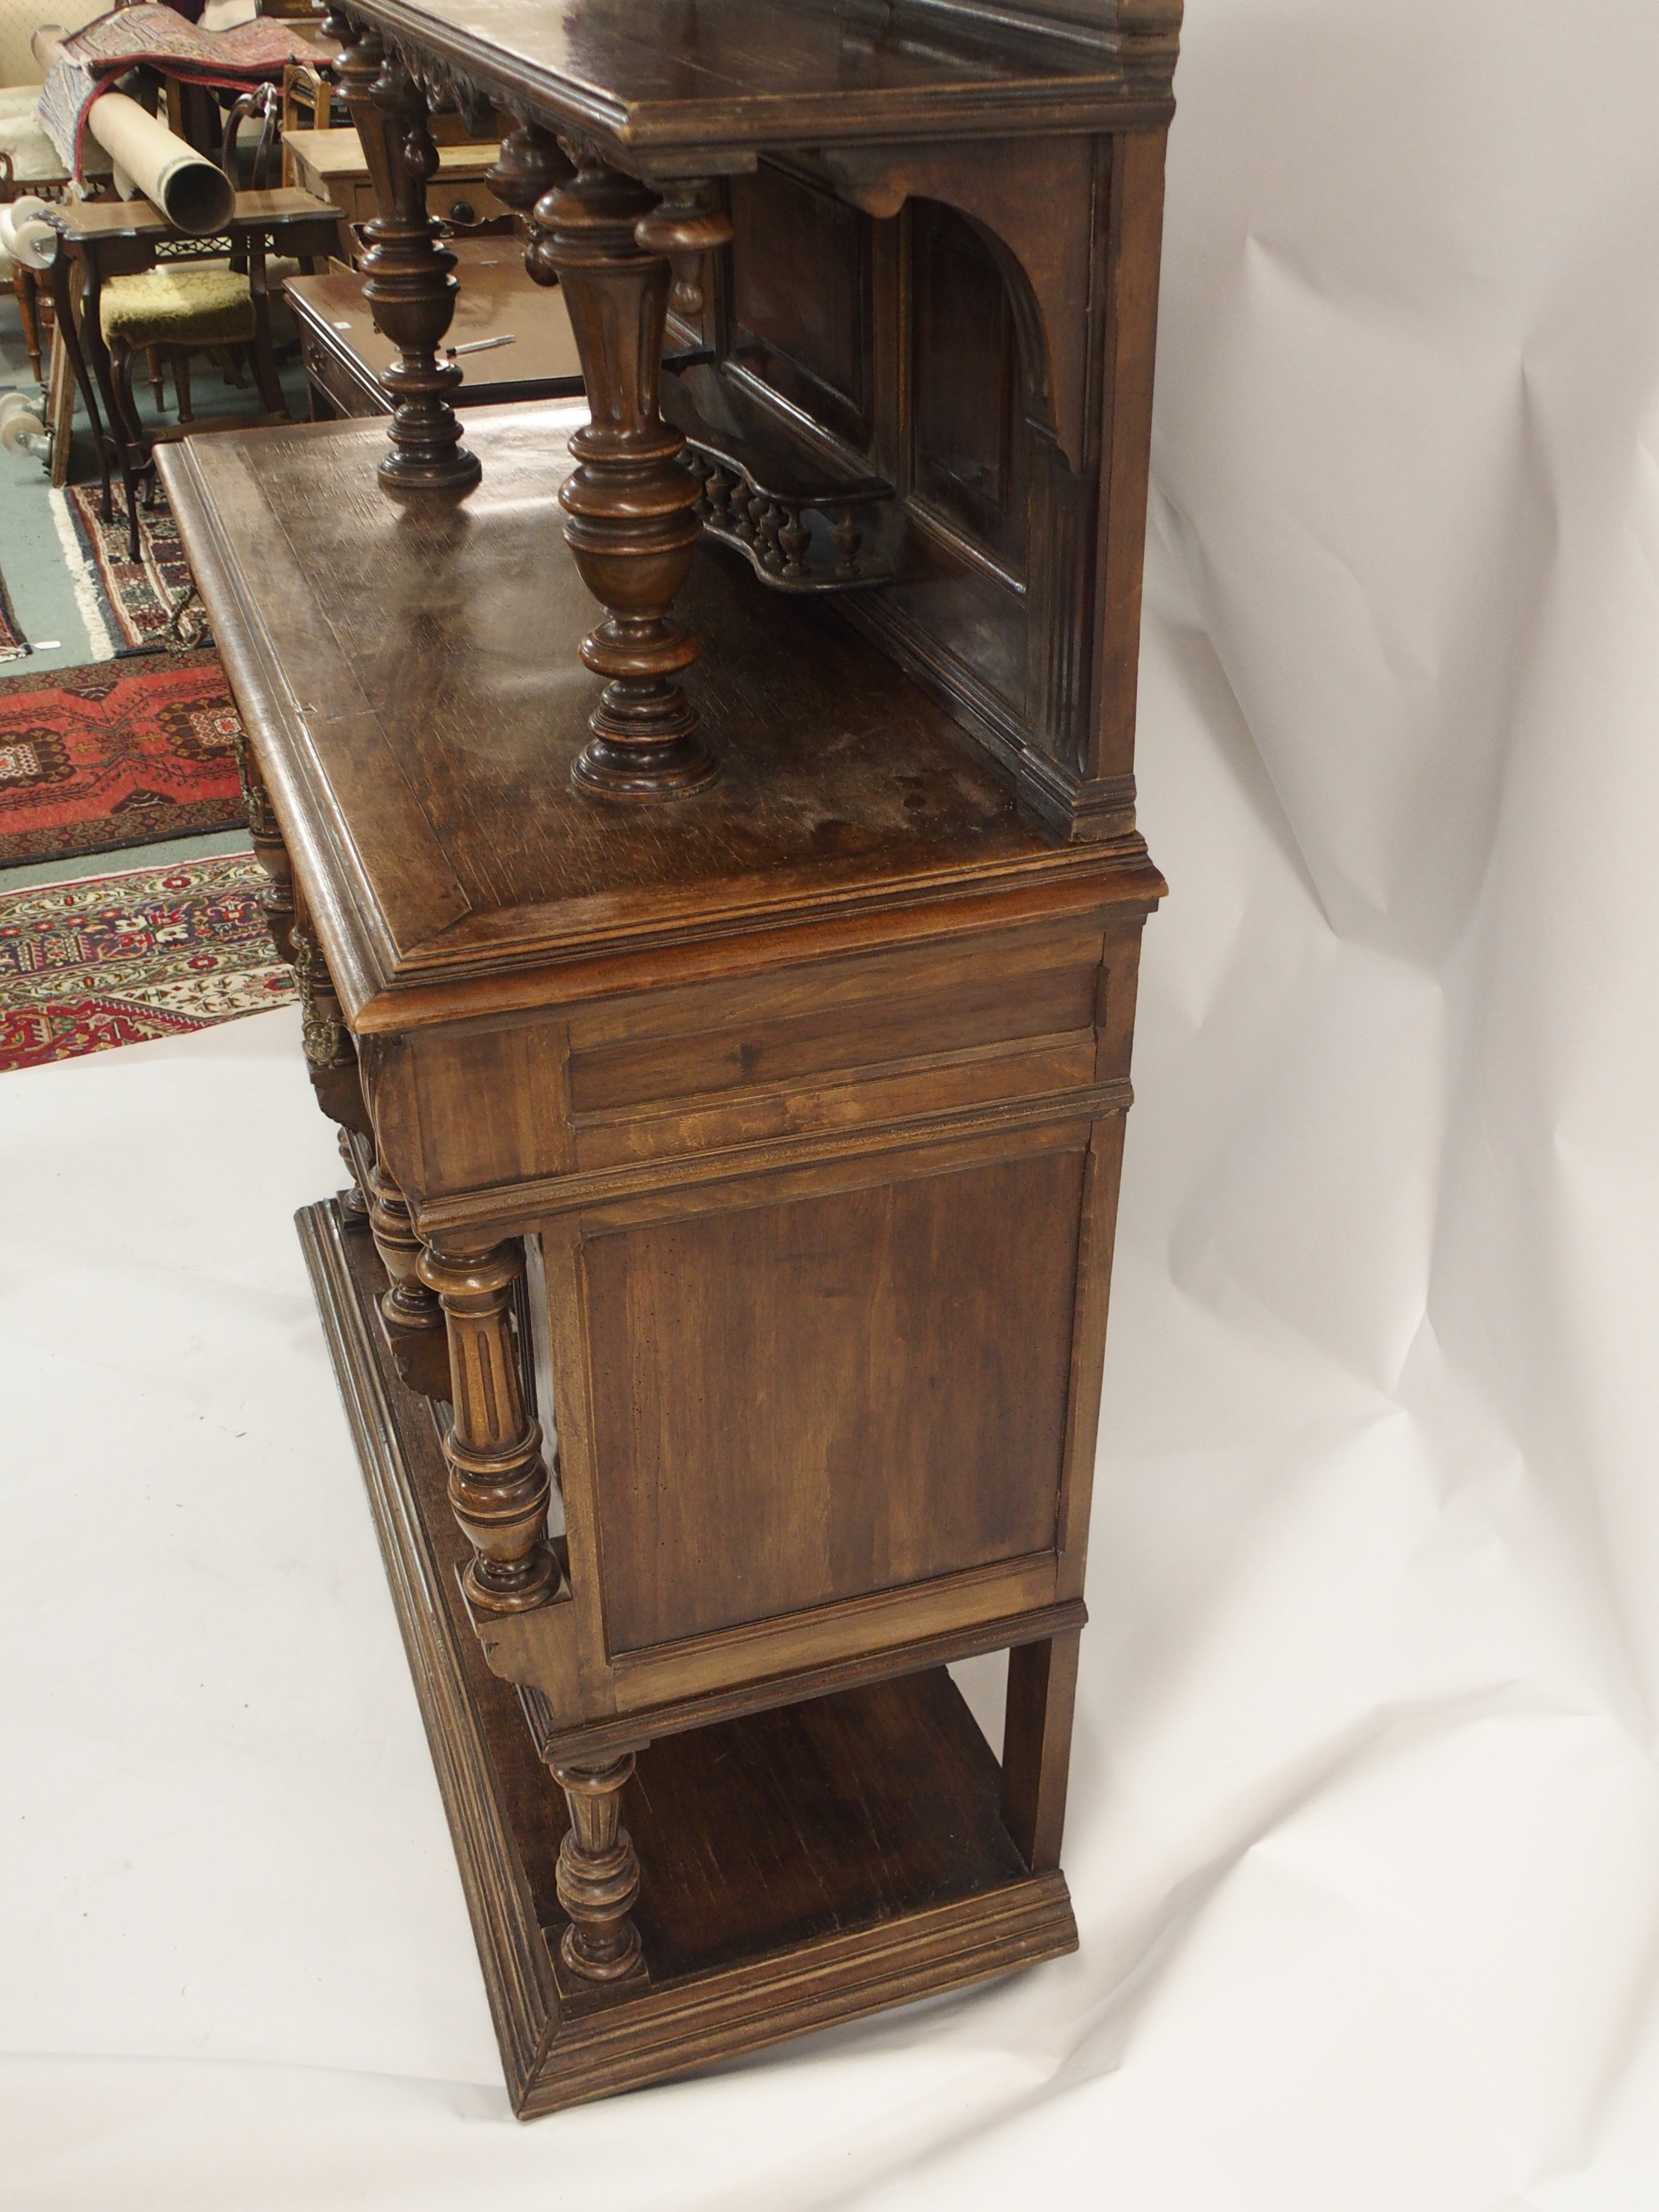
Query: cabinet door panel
point(800, 1403)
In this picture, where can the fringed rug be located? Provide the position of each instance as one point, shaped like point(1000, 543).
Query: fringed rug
point(126, 604)
point(154, 952)
point(91, 759)
point(13, 643)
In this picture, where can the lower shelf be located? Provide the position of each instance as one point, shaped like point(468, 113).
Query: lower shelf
point(798, 1867)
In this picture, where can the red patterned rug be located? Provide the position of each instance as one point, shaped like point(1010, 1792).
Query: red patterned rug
point(153, 952)
point(121, 753)
point(126, 604)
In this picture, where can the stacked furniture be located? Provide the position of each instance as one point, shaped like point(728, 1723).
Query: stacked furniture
point(705, 843)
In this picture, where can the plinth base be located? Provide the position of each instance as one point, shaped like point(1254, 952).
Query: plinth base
point(799, 1866)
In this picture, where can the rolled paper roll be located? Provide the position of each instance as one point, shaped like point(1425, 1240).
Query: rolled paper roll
point(26, 235)
point(194, 193)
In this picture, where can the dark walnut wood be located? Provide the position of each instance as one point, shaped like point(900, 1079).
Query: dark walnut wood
point(599, 1876)
point(631, 508)
point(804, 1106)
point(762, 1144)
point(498, 1484)
point(346, 357)
point(410, 284)
point(919, 374)
point(810, 1864)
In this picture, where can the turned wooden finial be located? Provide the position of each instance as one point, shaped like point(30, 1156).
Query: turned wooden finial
point(631, 508)
point(498, 1484)
point(411, 286)
point(531, 162)
point(685, 227)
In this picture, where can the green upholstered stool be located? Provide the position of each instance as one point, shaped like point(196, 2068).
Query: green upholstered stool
point(208, 304)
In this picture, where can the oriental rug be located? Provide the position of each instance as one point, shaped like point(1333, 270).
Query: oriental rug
point(153, 952)
point(126, 604)
point(120, 753)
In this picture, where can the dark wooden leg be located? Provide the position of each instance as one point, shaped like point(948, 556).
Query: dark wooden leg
point(498, 1484)
point(631, 505)
point(179, 358)
point(22, 283)
point(414, 1320)
point(410, 287)
point(67, 324)
point(599, 1874)
point(92, 338)
point(1036, 1747)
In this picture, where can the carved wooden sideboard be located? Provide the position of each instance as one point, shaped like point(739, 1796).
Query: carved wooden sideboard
point(726, 992)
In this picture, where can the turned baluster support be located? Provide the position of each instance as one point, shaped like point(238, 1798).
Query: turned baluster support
point(630, 506)
point(597, 1878)
point(498, 1484)
point(413, 1318)
point(685, 227)
point(530, 162)
point(411, 286)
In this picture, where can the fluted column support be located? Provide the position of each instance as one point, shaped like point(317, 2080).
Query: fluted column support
point(498, 1484)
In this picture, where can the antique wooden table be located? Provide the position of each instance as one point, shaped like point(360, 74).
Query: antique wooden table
point(731, 1061)
point(104, 239)
point(345, 356)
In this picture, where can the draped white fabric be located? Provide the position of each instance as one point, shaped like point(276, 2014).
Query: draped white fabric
point(1364, 1825)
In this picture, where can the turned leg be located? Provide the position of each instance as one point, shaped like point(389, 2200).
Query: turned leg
point(630, 504)
point(498, 1486)
point(410, 287)
point(414, 1320)
point(598, 1873)
point(1036, 1746)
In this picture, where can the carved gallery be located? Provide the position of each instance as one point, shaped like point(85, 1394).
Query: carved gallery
point(574, 579)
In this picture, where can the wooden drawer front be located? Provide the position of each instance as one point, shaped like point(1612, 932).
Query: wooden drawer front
point(806, 1403)
point(877, 1041)
point(345, 389)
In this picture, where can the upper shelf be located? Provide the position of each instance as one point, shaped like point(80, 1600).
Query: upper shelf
point(717, 79)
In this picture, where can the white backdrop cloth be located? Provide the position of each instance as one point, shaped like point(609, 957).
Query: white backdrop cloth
point(1364, 1825)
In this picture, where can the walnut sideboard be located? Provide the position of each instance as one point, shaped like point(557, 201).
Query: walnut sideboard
point(731, 1053)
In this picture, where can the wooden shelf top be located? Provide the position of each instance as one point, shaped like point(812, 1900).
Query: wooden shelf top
point(653, 76)
point(410, 672)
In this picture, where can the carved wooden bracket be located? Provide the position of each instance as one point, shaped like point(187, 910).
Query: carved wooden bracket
point(1035, 199)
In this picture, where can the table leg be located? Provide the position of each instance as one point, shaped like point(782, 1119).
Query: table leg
point(1036, 1746)
point(22, 283)
point(68, 323)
